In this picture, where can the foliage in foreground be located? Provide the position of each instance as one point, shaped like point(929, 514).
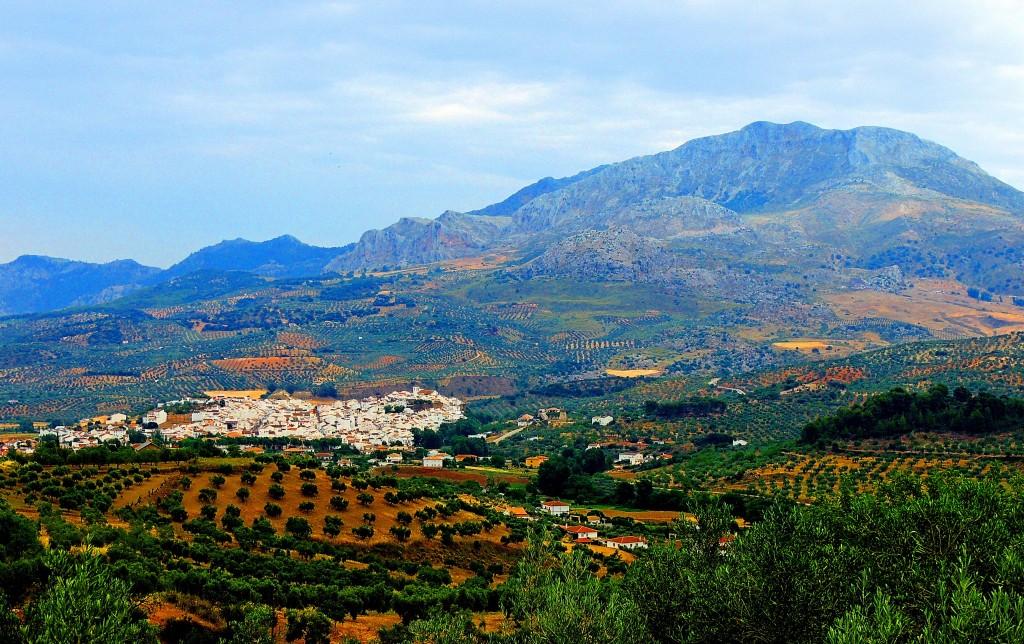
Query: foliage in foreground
point(936, 560)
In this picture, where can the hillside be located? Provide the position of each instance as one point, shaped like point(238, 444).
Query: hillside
point(283, 256)
point(33, 283)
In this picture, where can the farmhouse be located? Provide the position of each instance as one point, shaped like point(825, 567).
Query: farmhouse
point(555, 508)
point(525, 420)
point(578, 532)
point(533, 462)
point(631, 458)
point(433, 461)
point(603, 421)
point(626, 543)
point(517, 513)
point(394, 459)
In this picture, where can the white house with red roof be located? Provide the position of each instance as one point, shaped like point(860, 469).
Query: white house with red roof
point(555, 508)
point(579, 532)
point(626, 543)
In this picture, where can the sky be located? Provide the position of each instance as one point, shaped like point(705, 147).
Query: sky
point(148, 130)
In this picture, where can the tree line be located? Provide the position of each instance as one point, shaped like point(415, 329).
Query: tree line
point(898, 412)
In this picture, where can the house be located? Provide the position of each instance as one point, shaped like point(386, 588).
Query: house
point(555, 508)
point(394, 459)
point(146, 447)
point(533, 462)
point(631, 458)
point(739, 443)
point(553, 416)
point(155, 417)
point(118, 419)
point(626, 543)
point(578, 532)
point(517, 513)
point(602, 421)
point(593, 519)
point(525, 420)
point(326, 458)
point(466, 458)
point(433, 461)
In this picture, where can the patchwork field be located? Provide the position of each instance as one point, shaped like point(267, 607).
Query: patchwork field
point(934, 305)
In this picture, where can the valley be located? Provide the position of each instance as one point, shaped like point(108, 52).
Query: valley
point(651, 377)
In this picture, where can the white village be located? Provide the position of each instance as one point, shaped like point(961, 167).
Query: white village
point(365, 424)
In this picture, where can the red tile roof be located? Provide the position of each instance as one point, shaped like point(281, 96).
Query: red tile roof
point(622, 540)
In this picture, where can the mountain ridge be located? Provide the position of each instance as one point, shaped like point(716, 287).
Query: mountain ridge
point(870, 194)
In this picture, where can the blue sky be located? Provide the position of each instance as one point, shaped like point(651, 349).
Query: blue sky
point(148, 130)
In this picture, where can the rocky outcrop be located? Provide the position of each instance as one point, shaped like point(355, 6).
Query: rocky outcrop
point(767, 167)
point(617, 255)
point(422, 241)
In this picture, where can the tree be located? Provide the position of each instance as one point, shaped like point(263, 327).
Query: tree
point(333, 525)
point(298, 526)
point(365, 498)
point(552, 476)
point(255, 627)
point(218, 481)
point(339, 503)
point(401, 533)
point(310, 625)
point(243, 494)
point(307, 507)
point(85, 603)
point(363, 531)
point(272, 510)
point(309, 489)
point(276, 491)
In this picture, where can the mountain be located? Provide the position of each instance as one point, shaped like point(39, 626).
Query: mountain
point(419, 241)
point(283, 256)
point(769, 247)
point(873, 196)
point(33, 283)
point(521, 197)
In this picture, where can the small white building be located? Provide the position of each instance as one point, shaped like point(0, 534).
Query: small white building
point(578, 532)
point(117, 419)
point(433, 461)
point(158, 416)
point(555, 508)
point(631, 458)
point(394, 459)
point(626, 543)
point(739, 443)
point(603, 421)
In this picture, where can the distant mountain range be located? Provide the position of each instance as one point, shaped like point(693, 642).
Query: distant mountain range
point(816, 199)
point(34, 284)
